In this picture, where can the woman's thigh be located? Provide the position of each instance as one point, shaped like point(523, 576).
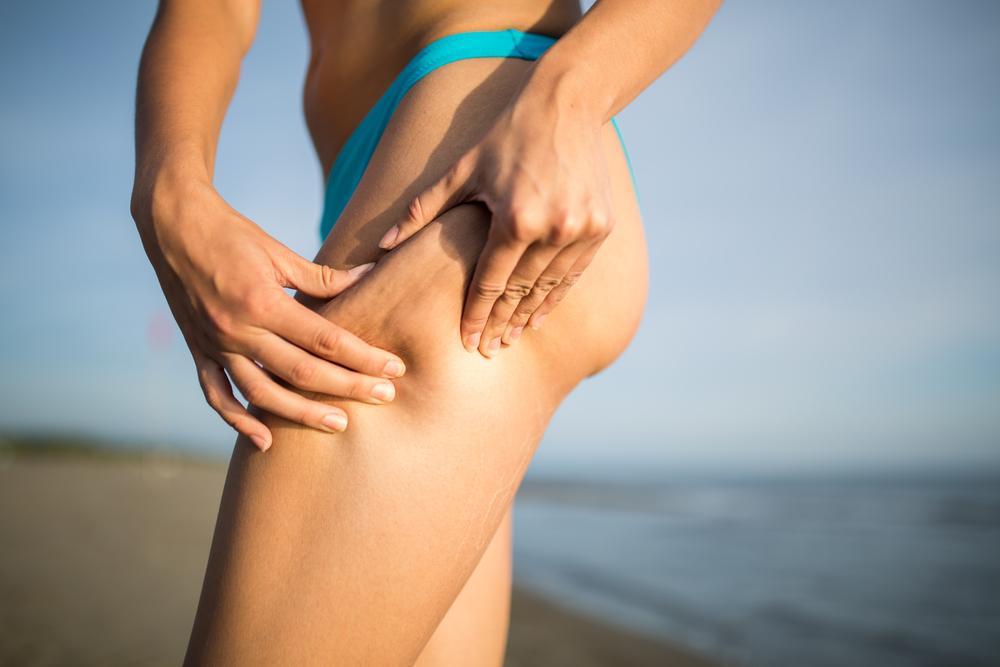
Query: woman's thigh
point(474, 631)
point(350, 548)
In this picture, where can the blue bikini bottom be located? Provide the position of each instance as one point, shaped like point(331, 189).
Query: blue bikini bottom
point(353, 158)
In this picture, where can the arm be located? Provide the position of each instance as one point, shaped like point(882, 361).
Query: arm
point(187, 76)
point(615, 52)
point(541, 168)
point(223, 276)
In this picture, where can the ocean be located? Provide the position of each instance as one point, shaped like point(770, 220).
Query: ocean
point(811, 572)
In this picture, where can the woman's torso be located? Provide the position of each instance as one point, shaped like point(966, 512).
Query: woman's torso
point(358, 47)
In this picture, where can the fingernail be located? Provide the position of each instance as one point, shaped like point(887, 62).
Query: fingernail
point(361, 269)
point(472, 341)
point(394, 368)
point(494, 346)
point(537, 322)
point(516, 333)
point(389, 237)
point(261, 442)
point(335, 421)
point(384, 391)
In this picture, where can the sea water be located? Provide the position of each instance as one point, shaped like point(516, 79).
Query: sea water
point(777, 572)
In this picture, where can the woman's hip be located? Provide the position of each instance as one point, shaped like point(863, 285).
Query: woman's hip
point(437, 121)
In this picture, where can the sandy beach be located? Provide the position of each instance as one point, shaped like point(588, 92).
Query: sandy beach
point(101, 559)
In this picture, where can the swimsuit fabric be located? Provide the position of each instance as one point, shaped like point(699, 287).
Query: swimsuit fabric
point(353, 158)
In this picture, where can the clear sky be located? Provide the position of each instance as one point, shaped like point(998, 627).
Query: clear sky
point(820, 183)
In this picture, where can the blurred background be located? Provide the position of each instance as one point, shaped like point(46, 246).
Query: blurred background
point(798, 458)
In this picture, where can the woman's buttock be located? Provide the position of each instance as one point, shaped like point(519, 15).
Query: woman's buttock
point(438, 120)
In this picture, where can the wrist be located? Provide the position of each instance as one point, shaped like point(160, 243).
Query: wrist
point(163, 185)
point(562, 83)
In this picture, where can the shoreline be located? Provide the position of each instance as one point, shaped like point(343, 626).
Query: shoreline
point(105, 555)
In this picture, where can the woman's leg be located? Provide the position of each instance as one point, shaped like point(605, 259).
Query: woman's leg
point(350, 548)
point(474, 631)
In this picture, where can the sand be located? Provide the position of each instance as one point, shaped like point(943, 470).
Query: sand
point(101, 560)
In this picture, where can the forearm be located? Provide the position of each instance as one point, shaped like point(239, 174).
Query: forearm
point(187, 75)
point(616, 51)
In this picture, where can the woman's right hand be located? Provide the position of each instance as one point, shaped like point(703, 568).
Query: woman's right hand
point(224, 280)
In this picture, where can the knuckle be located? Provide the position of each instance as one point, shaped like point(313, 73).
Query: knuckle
point(230, 418)
point(300, 415)
point(523, 310)
point(547, 283)
point(561, 226)
point(415, 210)
point(525, 223)
point(487, 291)
point(304, 414)
point(518, 319)
point(559, 236)
point(329, 342)
point(211, 397)
point(356, 390)
point(258, 306)
point(474, 323)
point(571, 278)
point(303, 374)
point(221, 321)
point(453, 177)
point(517, 289)
point(257, 393)
point(329, 277)
point(210, 391)
point(203, 379)
point(601, 223)
point(563, 230)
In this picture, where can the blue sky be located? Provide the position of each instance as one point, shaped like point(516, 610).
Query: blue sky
point(820, 188)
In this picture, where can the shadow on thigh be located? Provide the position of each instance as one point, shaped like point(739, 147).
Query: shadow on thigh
point(353, 546)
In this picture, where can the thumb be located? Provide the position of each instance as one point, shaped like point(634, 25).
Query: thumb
point(321, 281)
point(448, 191)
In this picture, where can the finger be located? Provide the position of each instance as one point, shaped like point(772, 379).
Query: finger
point(558, 293)
point(446, 192)
point(304, 371)
point(496, 262)
point(314, 333)
point(265, 393)
point(319, 280)
point(549, 279)
point(219, 395)
point(529, 268)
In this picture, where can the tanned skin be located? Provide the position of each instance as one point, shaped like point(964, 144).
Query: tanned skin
point(398, 400)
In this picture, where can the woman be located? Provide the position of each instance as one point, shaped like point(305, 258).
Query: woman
point(474, 176)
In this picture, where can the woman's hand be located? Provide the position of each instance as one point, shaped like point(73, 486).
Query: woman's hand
point(224, 280)
point(541, 170)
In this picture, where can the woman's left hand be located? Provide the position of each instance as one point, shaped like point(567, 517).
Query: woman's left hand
point(542, 172)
